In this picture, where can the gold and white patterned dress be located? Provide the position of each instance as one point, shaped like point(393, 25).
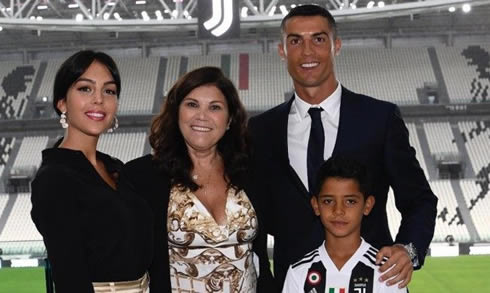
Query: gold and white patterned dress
point(207, 257)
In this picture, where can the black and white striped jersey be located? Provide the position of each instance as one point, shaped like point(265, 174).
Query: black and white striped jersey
point(316, 273)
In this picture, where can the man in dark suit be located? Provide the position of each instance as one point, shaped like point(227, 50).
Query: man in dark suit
point(291, 140)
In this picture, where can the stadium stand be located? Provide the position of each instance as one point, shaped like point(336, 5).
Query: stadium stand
point(195, 62)
point(172, 73)
point(269, 81)
point(3, 203)
point(440, 138)
point(30, 152)
point(46, 88)
point(388, 74)
point(477, 198)
point(6, 145)
point(449, 220)
point(26, 163)
point(235, 71)
point(476, 135)
point(465, 71)
point(415, 143)
point(15, 85)
point(19, 227)
point(138, 84)
point(124, 146)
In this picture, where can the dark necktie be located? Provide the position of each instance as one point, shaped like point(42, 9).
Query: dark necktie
point(316, 146)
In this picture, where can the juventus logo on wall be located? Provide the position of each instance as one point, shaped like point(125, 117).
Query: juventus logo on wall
point(218, 19)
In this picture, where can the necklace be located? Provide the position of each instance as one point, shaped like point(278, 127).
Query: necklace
point(203, 185)
point(200, 180)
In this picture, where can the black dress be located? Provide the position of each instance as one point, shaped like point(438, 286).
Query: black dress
point(92, 232)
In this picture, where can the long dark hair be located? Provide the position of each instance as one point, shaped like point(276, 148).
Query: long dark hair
point(75, 66)
point(170, 150)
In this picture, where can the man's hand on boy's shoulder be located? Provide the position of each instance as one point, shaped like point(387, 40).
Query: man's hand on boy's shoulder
point(398, 268)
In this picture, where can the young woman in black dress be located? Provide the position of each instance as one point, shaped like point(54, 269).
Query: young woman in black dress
point(98, 238)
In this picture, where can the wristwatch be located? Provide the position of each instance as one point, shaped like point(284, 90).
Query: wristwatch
point(412, 253)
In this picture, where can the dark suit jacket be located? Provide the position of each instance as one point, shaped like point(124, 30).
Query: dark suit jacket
point(143, 176)
point(370, 131)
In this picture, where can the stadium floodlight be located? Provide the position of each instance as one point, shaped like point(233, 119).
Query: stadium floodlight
point(39, 18)
point(106, 15)
point(293, 5)
point(117, 16)
point(466, 8)
point(73, 5)
point(140, 2)
point(111, 3)
point(283, 9)
point(145, 15)
point(273, 10)
point(353, 6)
point(244, 12)
point(79, 17)
point(381, 4)
point(42, 7)
point(452, 9)
point(1, 28)
point(370, 4)
point(32, 17)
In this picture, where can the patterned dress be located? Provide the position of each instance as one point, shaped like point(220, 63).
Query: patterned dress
point(207, 257)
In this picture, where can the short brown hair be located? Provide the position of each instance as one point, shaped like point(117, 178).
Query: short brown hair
point(310, 10)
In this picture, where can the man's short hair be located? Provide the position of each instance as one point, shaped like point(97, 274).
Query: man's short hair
point(310, 10)
point(343, 167)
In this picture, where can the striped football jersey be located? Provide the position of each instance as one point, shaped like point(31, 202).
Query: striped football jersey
point(316, 273)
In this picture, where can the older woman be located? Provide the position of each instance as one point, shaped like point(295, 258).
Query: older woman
point(207, 234)
point(98, 239)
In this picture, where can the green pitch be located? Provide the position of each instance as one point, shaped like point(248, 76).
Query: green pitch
point(22, 280)
point(453, 275)
point(440, 275)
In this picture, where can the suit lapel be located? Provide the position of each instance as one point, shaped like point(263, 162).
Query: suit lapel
point(347, 122)
point(283, 147)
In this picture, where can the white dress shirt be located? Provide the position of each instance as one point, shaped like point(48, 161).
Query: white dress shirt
point(299, 124)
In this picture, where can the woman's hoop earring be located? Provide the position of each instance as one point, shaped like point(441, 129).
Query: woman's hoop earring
point(63, 122)
point(114, 126)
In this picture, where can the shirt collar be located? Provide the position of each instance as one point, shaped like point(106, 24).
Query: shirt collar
point(330, 104)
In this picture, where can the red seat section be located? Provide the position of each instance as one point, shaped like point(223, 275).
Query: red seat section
point(243, 72)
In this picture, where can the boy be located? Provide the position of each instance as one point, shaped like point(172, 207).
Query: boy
point(344, 263)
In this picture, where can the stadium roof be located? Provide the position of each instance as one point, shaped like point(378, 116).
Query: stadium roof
point(31, 23)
